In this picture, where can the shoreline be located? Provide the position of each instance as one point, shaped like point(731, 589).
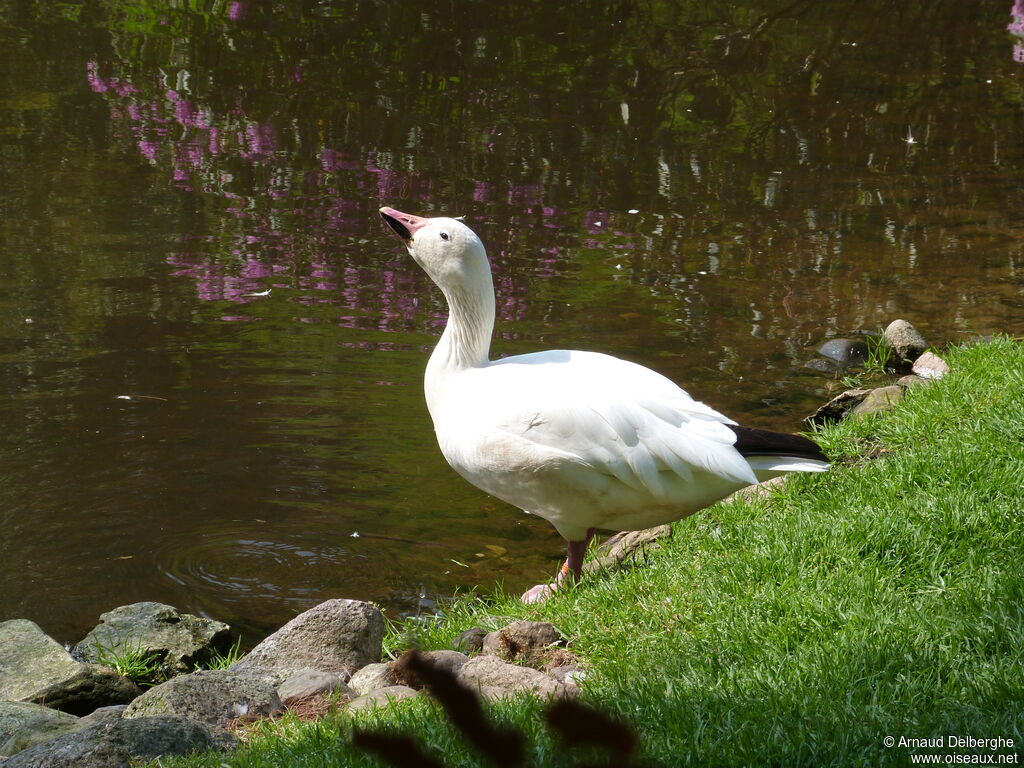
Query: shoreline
point(606, 642)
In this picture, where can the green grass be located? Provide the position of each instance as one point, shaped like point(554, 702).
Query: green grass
point(146, 668)
point(138, 664)
point(879, 355)
point(880, 363)
point(885, 598)
point(224, 660)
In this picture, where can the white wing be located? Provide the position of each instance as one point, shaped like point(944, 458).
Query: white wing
point(616, 417)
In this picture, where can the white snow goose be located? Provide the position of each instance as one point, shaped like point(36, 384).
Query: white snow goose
point(585, 440)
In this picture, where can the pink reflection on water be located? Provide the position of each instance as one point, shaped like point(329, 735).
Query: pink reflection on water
point(214, 283)
point(258, 140)
point(148, 149)
point(100, 85)
point(1016, 27)
point(1017, 12)
point(292, 229)
point(331, 160)
point(525, 195)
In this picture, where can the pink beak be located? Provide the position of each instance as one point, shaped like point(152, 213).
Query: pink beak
point(403, 224)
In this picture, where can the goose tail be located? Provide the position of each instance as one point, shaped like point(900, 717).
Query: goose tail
point(775, 453)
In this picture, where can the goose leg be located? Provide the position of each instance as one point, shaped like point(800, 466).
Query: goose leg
point(571, 569)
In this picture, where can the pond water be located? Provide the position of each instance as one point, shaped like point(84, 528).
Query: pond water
point(211, 351)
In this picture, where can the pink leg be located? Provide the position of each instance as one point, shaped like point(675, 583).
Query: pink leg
point(572, 569)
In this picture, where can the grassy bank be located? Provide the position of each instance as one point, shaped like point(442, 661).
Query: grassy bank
point(885, 598)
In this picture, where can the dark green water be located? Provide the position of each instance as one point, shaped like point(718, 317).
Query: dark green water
point(211, 351)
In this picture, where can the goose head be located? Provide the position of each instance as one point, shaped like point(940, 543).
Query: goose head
point(447, 250)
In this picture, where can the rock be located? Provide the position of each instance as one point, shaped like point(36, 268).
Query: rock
point(911, 380)
point(179, 640)
point(103, 715)
point(91, 687)
point(35, 667)
point(569, 674)
point(930, 366)
point(312, 682)
point(904, 339)
point(837, 408)
point(337, 636)
point(877, 400)
point(23, 725)
point(447, 661)
point(214, 697)
point(381, 697)
point(470, 641)
point(30, 660)
point(123, 744)
point(525, 641)
point(492, 677)
point(845, 352)
point(618, 550)
point(371, 677)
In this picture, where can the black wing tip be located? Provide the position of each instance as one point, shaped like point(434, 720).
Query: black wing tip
point(764, 442)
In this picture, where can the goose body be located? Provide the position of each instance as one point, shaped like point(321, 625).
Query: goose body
point(582, 439)
point(586, 440)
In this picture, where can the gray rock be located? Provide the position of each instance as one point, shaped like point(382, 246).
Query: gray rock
point(470, 641)
point(336, 636)
point(491, 676)
point(381, 697)
point(402, 673)
point(23, 725)
point(30, 660)
point(179, 640)
point(623, 548)
point(371, 677)
point(312, 682)
point(523, 640)
point(877, 400)
point(569, 674)
point(449, 661)
point(845, 352)
point(837, 408)
point(103, 715)
point(91, 687)
point(930, 366)
point(911, 380)
point(214, 697)
point(35, 667)
point(904, 339)
point(123, 744)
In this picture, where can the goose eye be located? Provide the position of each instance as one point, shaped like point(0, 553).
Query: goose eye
point(444, 235)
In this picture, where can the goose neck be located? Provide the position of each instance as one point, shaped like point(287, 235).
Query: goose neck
point(466, 340)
